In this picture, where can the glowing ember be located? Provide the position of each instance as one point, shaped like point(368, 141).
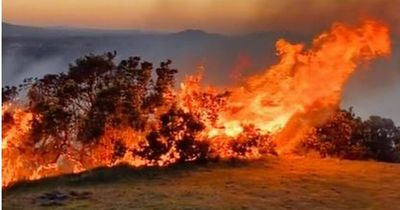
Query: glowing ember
point(275, 107)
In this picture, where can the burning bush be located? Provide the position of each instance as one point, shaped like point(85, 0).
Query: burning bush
point(178, 131)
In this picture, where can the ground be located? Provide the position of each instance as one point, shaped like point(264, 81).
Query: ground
point(271, 183)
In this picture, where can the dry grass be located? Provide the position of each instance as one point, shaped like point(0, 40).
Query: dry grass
point(284, 183)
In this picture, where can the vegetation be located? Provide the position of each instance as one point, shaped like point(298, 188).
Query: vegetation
point(346, 136)
point(97, 93)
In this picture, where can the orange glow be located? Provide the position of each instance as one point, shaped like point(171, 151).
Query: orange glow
point(217, 16)
point(138, 14)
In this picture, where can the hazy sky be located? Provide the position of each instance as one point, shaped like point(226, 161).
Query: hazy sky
point(228, 16)
point(371, 92)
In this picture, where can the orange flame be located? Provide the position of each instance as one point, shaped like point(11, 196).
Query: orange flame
point(304, 80)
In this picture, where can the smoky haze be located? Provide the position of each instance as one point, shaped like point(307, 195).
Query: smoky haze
point(32, 52)
point(222, 16)
point(305, 16)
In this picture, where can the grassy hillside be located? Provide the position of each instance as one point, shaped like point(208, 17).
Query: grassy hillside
point(284, 183)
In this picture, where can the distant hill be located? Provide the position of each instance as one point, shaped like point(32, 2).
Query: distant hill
point(16, 30)
point(11, 30)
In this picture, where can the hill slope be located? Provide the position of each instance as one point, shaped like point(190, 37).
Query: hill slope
point(286, 183)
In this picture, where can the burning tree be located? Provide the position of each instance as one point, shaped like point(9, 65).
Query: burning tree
point(80, 116)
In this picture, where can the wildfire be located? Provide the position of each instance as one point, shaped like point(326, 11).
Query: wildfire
point(277, 106)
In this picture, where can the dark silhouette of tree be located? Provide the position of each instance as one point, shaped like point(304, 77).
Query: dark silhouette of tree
point(164, 84)
point(382, 138)
point(49, 100)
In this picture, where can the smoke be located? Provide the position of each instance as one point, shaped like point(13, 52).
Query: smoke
point(310, 16)
point(375, 89)
point(222, 16)
point(16, 72)
point(300, 16)
point(26, 56)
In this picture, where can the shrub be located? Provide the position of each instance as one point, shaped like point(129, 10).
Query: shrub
point(346, 136)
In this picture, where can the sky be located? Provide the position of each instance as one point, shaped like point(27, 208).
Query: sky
point(222, 16)
point(381, 86)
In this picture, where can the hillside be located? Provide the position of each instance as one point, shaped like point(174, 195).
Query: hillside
point(284, 183)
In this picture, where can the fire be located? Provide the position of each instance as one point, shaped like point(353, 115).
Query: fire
point(305, 81)
point(279, 104)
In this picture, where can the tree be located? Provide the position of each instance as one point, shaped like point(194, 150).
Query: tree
point(346, 136)
point(95, 93)
point(164, 85)
point(382, 138)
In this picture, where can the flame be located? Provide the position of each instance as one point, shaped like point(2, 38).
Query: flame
point(280, 103)
point(304, 77)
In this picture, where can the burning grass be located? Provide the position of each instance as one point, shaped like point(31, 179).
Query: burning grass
point(102, 114)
